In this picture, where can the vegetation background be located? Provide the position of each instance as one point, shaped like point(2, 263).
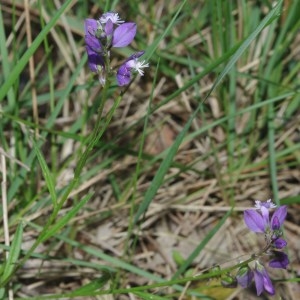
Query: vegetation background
point(212, 126)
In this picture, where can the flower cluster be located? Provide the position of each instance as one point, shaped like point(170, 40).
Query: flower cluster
point(261, 221)
point(105, 33)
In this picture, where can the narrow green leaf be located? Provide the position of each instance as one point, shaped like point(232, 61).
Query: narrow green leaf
point(267, 19)
point(200, 247)
point(16, 71)
point(14, 253)
point(93, 285)
point(164, 167)
point(47, 175)
point(66, 218)
point(148, 296)
point(5, 61)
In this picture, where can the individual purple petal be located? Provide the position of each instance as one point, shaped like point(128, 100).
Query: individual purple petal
point(275, 225)
point(90, 26)
point(93, 43)
point(280, 260)
point(262, 280)
point(254, 221)
point(123, 35)
point(123, 75)
point(259, 282)
point(280, 213)
point(109, 28)
point(244, 276)
point(94, 60)
point(280, 243)
point(135, 55)
point(265, 214)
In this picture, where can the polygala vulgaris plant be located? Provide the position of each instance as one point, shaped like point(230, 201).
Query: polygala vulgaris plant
point(260, 220)
point(105, 33)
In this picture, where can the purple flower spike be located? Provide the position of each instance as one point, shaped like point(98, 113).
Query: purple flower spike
point(280, 260)
point(123, 35)
point(262, 280)
point(254, 221)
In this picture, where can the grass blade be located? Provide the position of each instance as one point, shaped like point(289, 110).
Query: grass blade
point(164, 167)
point(16, 71)
point(47, 175)
point(14, 253)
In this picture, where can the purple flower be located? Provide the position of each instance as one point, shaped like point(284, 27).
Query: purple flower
point(280, 260)
point(254, 220)
point(260, 222)
point(244, 276)
point(103, 34)
point(123, 35)
point(279, 243)
point(262, 280)
point(132, 64)
point(93, 46)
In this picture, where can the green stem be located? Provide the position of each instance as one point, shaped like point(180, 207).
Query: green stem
point(97, 133)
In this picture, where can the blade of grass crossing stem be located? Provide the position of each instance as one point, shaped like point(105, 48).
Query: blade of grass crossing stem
point(65, 219)
point(164, 167)
point(93, 285)
point(200, 247)
point(16, 71)
point(47, 175)
point(14, 253)
point(51, 120)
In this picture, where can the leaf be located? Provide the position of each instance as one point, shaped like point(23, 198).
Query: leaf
point(14, 253)
point(46, 173)
point(66, 218)
point(16, 71)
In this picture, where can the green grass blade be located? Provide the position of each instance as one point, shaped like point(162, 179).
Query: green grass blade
point(16, 71)
point(200, 247)
point(267, 19)
point(65, 219)
point(14, 253)
point(5, 61)
point(47, 175)
point(164, 167)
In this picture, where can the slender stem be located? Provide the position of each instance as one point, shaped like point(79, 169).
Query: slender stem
point(93, 140)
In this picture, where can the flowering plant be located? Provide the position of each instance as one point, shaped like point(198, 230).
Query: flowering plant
point(105, 33)
point(260, 220)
